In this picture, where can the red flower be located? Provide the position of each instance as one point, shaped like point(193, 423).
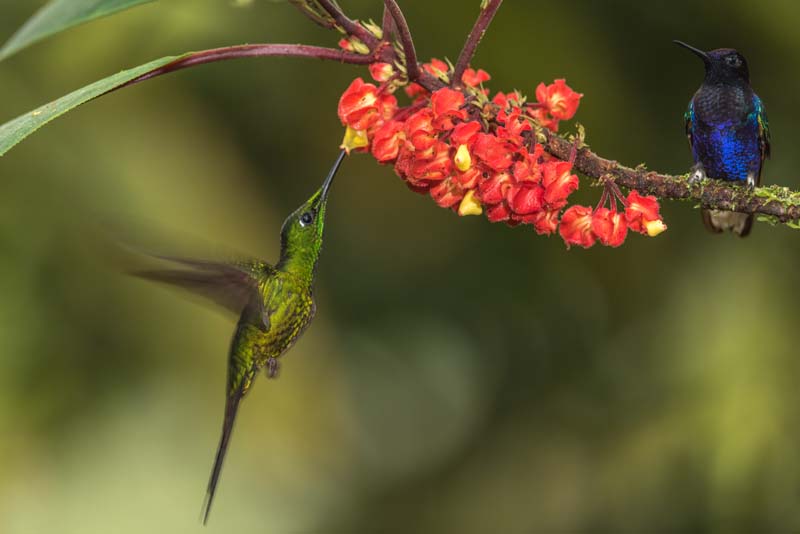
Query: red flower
point(514, 126)
point(470, 178)
point(386, 141)
point(464, 133)
point(493, 152)
point(419, 130)
point(405, 157)
point(345, 44)
point(387, 107)
point(546, 222)
point(498, 213)
point(447, 193)
point(609, 226)
point(446, 105)
point(529, 169)
point(543, 117)
point(436, 68)
point(495, 189)
point(381, 72)
point(526, 199)
point(360, 106)
point(472, 171)
point(642, 214)
point(559, 183)
point(416, 92)
point(576, 227)
point(505, 99)
point(473, 78)
point(561, 101)
point(437, 167)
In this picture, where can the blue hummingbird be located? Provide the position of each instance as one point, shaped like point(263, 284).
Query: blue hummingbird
point(728, 131)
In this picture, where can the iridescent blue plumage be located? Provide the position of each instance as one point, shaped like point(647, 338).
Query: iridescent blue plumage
point(728, 130)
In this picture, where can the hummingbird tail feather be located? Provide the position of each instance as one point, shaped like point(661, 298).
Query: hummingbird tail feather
point(231, 407)
point(717, 221)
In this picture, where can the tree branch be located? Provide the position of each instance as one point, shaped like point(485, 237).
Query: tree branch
point(412, 67)
point(474, 38)
point(774, 201)
point(256, 50)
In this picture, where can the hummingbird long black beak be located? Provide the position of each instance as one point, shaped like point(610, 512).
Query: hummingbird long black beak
point(702, 55)
point(326, 185)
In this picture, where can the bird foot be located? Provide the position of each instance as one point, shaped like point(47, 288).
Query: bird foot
point(273, 366)
point(751, 181)
point(698, 174)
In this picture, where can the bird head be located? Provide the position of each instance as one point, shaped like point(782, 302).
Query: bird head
point(723, 65)
point(301, 234)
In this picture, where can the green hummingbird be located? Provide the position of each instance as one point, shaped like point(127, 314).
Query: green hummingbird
point(275, 304)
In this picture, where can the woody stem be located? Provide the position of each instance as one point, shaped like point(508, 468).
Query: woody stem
point(780, 203)
point(256, 50)
point(350, 26)
point(474, 38)
point(412, 67)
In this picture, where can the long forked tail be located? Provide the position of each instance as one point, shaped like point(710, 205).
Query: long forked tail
point(231, 406)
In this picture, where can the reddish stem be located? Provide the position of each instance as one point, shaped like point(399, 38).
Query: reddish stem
point(388, 26)
point(474, 38)
point(603, 199)
point(412, 67)
point(348, 25)
point(304, 8)
point(256, 50)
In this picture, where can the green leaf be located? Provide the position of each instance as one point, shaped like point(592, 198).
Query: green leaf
point(18, 129)
point(57, 16)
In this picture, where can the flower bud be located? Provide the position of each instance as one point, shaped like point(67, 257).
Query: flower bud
point(462, 158)
point(470, 205)
point(354, 139)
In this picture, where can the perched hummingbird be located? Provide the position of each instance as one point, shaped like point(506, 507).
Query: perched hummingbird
point(728, 131)
point(275, 304)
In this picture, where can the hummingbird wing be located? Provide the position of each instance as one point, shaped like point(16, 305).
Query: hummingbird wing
point(230, 285)
point(763, 129)
point(242, 369)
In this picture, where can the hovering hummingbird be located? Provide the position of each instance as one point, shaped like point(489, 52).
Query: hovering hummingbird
point(275, 305)
point(728, 131)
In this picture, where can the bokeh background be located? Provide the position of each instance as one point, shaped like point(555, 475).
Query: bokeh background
point(460, 376)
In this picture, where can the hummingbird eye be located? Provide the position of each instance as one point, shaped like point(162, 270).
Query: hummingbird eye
point(733, 61)
point(306, 218)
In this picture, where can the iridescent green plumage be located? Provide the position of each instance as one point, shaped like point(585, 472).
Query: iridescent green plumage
point(275, 304)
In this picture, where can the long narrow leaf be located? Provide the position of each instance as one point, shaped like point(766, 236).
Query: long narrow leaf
point(18, 129)
point(59, 15)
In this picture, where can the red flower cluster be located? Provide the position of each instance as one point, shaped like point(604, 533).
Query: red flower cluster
point(583, 227)
point(473, 154)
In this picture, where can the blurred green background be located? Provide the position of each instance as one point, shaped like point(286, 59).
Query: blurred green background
point(460, 376)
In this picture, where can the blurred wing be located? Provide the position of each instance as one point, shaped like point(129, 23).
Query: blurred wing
point(231, 286)
point(763, 130)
